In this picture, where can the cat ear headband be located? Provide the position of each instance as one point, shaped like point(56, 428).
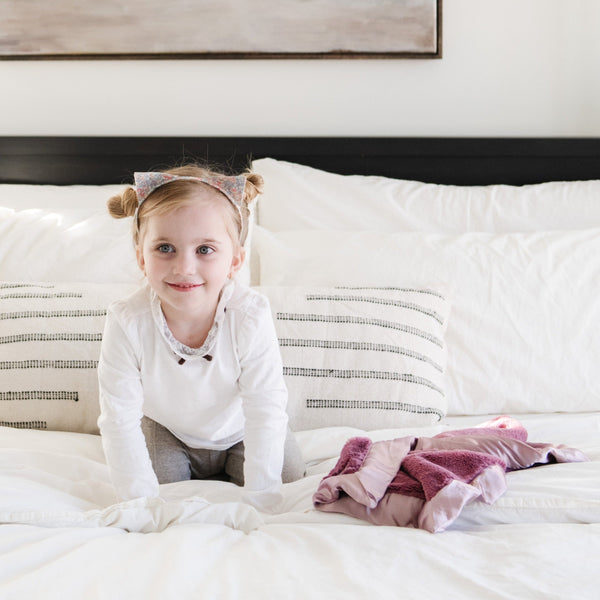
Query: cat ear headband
point(231, 186)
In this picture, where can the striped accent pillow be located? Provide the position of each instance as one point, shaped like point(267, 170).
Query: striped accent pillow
point(50, 336)
point(364, 357)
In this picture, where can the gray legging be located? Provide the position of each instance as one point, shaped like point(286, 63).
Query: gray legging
point(173, 461)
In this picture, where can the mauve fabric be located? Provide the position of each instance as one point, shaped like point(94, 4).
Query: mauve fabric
point(426, 482)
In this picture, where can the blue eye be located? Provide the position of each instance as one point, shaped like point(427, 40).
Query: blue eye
point(165, 248)
point(205, 250)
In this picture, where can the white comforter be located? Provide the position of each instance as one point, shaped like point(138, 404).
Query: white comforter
point(64, 534)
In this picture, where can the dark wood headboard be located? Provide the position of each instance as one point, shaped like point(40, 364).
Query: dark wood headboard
point(460, 161)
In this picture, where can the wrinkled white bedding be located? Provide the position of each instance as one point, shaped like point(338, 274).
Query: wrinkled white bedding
point(64, 534)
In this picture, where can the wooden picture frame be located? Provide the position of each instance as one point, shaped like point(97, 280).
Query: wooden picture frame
point(155, 29)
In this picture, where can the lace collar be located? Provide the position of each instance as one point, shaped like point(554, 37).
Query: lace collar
point(179, 348)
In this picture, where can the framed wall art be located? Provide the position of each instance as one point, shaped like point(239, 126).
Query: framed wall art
point(87, 29)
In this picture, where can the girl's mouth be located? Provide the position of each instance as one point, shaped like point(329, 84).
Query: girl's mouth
point(184, 287)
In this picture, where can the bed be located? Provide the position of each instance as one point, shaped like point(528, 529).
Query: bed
point(502, 234)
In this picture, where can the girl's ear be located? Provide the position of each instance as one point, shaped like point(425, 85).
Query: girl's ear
point(237, 261)
point(139, 255)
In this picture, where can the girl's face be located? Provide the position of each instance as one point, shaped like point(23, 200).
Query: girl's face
point(188, 255)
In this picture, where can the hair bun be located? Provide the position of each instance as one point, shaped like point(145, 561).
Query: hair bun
point(123, 205)
point(254, 186)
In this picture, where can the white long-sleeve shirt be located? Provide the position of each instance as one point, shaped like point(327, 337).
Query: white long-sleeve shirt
point(239, 393)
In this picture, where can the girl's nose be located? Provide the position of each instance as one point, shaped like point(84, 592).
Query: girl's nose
point(184, 264)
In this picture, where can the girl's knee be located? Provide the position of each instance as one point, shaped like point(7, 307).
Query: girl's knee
point(168, 456)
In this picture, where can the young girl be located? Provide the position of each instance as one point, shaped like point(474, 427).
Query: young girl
point(191, 381)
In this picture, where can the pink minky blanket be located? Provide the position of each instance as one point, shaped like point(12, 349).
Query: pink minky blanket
point(426, 482)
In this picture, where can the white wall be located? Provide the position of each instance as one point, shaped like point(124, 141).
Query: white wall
point(510, 68)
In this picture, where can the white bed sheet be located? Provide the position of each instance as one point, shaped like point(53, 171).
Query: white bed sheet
point(525, 562)
point(65, 536)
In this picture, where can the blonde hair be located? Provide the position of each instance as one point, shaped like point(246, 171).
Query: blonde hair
point(176, 193)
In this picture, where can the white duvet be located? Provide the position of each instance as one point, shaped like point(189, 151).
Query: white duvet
point(65, 535)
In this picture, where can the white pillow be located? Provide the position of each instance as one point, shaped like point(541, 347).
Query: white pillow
point(300, 197)
point(80, 200)
point(50, 338)
point(361, 357)
point(38, 245)
point(522, 336)
point(63, 233)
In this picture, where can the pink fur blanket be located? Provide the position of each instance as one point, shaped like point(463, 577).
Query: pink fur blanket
point(426, 482)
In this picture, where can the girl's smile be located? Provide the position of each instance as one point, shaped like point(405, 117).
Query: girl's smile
point(184, 287)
